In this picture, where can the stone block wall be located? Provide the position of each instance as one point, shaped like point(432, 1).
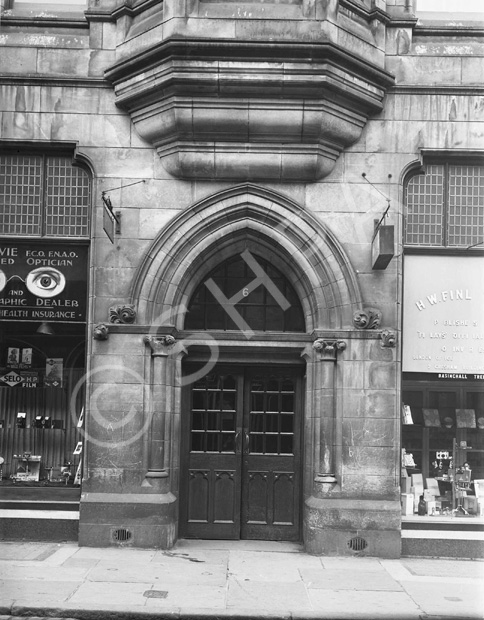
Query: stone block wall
point(53, 87)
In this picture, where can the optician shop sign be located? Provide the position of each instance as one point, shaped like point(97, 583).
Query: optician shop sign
point(43, 281)
point(443, 318)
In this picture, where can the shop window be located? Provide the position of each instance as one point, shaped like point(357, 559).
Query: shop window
point(230, 299)
point(438, 424)
point(45, 202)
point(43, 195)
point(444, 206)
point(41, 400)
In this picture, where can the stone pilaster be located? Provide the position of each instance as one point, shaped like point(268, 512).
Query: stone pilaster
point(161, 406)
point(326, 463)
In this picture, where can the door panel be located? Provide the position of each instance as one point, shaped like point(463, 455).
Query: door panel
point(270, 489)
point(240, 472)
point(211, 504)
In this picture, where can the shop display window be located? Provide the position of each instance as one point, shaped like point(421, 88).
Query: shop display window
point(41, 400)
point(443, 430)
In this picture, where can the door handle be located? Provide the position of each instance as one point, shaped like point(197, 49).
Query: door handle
point(246, 442)
point(237, 442)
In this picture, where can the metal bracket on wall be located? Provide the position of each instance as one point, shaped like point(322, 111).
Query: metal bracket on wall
point(111, 218)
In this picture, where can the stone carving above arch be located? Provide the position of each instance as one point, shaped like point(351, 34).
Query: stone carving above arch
point(125, 314)
point(267, 223)
point(368, 318)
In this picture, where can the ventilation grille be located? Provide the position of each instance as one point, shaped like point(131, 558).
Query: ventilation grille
point(357, 544)
point(122, 535)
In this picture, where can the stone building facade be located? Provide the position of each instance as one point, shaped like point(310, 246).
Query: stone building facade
point(250, 157)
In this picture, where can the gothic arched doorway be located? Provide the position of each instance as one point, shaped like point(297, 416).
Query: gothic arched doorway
point(241, 420)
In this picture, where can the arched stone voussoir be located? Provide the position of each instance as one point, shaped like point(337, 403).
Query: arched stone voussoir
point(258, 219)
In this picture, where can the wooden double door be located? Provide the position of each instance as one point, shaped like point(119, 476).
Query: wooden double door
point(241, 454)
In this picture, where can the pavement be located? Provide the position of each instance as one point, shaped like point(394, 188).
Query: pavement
point(208, 580)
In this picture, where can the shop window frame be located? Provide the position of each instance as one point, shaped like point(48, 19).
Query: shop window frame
point(49, 152)
point(445, 161)
point(462, 390)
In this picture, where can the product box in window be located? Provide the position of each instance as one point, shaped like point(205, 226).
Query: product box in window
point(407, 503)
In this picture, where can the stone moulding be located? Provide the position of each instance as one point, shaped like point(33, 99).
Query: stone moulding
point(239, 110)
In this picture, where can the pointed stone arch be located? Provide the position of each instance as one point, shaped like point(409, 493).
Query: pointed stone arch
point(265, 222)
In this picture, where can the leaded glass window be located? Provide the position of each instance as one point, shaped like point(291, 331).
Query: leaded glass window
point(43, 195)
point(245, 293)
point(445, 206)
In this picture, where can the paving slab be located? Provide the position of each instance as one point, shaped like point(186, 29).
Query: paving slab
point(194, 598)
point(240, 580)
point(362, 564)
point(267, 596)
point(209, 556)
point(40, 590)
point(448, 599)
point(120, 593)
point(445, 568)
point(270, 566)
point(40, 572)
point(170, 573)
point(349, 604)
point(349, 579)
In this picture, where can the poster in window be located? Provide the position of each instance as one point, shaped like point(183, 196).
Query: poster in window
point(407, 415)
point(466, 418)
point(431, 417)
point(26, 360)
point(43, 281)
point(13, 357)
point(53, 372)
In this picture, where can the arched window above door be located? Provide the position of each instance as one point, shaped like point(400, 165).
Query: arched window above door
point(245, 290)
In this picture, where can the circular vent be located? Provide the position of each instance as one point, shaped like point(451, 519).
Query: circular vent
point(357, 543)
point(122, 535)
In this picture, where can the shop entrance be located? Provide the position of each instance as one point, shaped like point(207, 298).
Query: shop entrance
point(241, 454)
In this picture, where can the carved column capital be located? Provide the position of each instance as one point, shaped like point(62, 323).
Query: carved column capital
point(368, 318)
point(388, 339)
point(160, 345)
point(328, 349)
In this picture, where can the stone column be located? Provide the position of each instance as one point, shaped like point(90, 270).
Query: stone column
point(326, 463)
point(158, 457)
